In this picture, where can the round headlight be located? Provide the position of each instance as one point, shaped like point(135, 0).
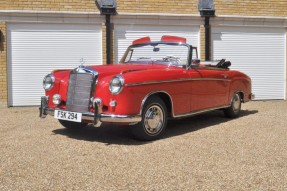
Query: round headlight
point(48, 82)
point(56, 99)
point(117, 84)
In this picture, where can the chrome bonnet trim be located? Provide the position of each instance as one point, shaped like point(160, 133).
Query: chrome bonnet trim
point(84, 70)
point(177, 80)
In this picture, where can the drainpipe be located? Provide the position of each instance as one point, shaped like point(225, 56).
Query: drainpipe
point(108, 38)
point(207, 10)
point(108, 8)
point(207, 38)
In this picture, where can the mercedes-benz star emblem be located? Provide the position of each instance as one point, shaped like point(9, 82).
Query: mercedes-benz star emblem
point(82, 62)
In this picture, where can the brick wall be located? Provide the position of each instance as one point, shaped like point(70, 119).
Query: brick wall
point(251, 7)
point(143, 6)
point(158, 6)
point(3, 68)
point(202, 42)
point(104, 47)
point(50, 5)
point(223, 7)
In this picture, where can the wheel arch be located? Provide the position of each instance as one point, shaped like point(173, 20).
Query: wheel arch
point(241, 94)
point(164, 96)
point(241, 86)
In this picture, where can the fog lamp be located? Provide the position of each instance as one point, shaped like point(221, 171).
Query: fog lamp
point(56, 99)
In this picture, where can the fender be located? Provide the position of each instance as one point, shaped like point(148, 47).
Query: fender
point(157, 92)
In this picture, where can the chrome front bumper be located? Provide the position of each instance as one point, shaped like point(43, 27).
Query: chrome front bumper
point(96, 118)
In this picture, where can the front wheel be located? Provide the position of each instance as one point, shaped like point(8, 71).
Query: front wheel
point(72, 125)
point(154, 120)
point(234, 110)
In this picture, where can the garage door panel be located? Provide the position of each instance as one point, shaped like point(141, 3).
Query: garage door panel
point(36, 50)
point(125, 34)
point(259, 52)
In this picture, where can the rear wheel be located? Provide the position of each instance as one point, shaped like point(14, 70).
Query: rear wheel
point(72, 125)
point(234, 110)
point(154, 120)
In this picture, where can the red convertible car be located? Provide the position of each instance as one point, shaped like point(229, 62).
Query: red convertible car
point(155, 81)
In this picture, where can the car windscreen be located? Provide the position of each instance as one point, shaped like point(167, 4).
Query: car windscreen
point(169, 54)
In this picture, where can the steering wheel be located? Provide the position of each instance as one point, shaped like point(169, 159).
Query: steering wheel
point(171, 59)
point(220, 63)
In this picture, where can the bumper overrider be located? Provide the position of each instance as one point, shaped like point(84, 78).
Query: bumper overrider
point(252, 96)
point(96, 118)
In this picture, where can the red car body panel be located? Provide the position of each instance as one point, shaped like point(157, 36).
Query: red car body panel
point(157, 80)
point(182, 87)
point(190, 90)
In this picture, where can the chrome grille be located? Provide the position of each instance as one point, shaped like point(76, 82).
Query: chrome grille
point(79, 91)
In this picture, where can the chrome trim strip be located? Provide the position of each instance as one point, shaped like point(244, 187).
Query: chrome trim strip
point(120, 118)
point(172, 110)
point(152, 93)
point(130, 118)
point(110, 118)
point(178, 80)
point(196, 67)
point(201, 111)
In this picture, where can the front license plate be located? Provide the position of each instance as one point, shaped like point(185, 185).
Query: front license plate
point(68, 115)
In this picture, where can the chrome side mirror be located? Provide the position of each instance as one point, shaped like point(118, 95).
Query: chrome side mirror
point(196, 61)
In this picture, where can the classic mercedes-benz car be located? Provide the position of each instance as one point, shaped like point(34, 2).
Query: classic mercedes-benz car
point(154, 82)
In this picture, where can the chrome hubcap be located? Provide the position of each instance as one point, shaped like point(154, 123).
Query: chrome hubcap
point(236, 103)
point(153, 120)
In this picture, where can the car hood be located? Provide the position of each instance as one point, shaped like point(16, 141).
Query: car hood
point(114, 69)
point(132, 72)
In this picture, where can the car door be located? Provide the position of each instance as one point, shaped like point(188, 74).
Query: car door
point(209, 88)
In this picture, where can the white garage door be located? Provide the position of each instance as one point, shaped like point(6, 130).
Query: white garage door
point(259, 52)
point(34, 50)
point(125, 34)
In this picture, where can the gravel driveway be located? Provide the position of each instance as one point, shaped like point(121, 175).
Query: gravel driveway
point(205, 152)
